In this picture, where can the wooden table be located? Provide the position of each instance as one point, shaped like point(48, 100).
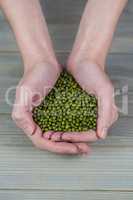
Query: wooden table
point(27, 173)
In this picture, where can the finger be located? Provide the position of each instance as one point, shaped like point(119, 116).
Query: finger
point(22, 111)
point(52, 135)
point(83, 148)
point(23, 120)
point(104, 116)
point(58, 147)
point(88, 136)
point(35, 135)
point(115, 114)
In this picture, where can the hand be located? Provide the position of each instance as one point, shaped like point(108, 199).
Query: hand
point(32, 88)
point(94, 80)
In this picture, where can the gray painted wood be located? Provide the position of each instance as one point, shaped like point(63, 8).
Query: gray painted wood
point(119, 68)
point(63, 32)
point(108, 168)
point(24, 167)
point(28, 173)
point(68, 11)
point(118, 64)
point(64, 195)
point(7, 98)
point(119, 135)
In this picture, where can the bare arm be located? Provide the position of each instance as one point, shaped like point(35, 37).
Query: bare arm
point(29, 25)
point(87, 59)
point(96, 30)
point(41, 70)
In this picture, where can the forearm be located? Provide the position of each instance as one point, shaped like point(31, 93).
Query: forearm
point(96, 30)
point(28, 23)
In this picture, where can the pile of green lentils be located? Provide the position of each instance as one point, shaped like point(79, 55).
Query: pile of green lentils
point(66, 108)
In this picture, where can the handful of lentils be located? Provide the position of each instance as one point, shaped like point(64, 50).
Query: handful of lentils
point(66, 108)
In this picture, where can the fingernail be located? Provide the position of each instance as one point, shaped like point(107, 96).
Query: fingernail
point(103, 133)
point(87, 153)
point(30, 131)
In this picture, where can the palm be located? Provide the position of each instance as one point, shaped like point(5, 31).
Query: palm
point(93, 79)
point(34, 85)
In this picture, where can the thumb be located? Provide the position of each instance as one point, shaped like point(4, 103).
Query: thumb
point(104, 116)
point(23, 120)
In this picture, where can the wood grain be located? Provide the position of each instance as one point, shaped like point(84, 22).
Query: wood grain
point(63, 25)
point(27, 173)
point(120, 133)
point(64, 195)
point(24, 167)
point(119, 69)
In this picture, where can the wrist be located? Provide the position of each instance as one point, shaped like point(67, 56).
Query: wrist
point(33, 61)
point(95, 50)
point(93, 57)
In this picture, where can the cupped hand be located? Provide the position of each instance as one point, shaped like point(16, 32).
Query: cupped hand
point(34, 85)
point(94, 80)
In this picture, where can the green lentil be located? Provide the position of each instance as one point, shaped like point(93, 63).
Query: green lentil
point(66, 108)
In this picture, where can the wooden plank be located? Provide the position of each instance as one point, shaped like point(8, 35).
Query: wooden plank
point(24, 167)
point(119, 135)
point(64, 34)
point(2, 17)
point(69, 11)
point(7, 100)
point(11, 65)
point(66, 11)
point(63, 27)
point(110, 166)
point(119, 69)
point(118, 65)
point(64, 195)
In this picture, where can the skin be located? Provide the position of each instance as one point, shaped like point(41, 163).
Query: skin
point(41, 68)
point(89, 53)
